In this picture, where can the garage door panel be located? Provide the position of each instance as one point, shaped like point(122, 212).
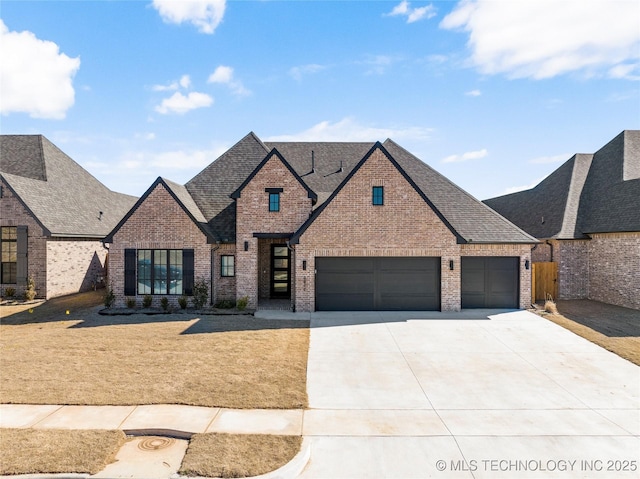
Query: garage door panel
point(377, 284)
point(490, 282)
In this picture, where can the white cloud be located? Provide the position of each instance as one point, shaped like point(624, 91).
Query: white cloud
point(180, 104)
point(224, 75)
point(36, 78)
point(184, 82)
point(413, 14)
point(515, 189)
point(469, 155)
point(206, 15)
point(145, 136)
point(348, 129)
point(539, 39)
point(378, 64)
point(473, 93)
point(541, 160)
point(298, 72)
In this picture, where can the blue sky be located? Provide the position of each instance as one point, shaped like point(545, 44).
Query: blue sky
point(493, 94)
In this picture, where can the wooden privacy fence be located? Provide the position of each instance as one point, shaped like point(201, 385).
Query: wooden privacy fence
point(544, 281)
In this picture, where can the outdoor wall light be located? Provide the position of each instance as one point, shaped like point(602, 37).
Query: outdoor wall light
point(304, 264)
point(526, 264)
point(246, 246)
point(451, 264)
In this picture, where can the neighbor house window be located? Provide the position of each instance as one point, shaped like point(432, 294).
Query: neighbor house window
point(378, 195)
point(160, 271)
point(274, 198)
point(227, 265)
point(9, 241)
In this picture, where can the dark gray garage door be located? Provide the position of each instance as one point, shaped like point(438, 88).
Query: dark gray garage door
point(490, 282)
point(386, 284)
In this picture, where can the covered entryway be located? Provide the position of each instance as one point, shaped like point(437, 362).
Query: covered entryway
point(384, 284)
point(490, 282)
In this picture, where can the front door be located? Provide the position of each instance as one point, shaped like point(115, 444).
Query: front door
point(280, 271)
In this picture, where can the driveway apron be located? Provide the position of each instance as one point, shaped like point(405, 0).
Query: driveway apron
point(472, 394)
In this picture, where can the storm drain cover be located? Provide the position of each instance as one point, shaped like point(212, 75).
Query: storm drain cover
point(155, 443)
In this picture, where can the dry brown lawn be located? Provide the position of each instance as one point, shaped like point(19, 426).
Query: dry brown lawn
point(611, 327)
point(31, 451)
point(227, 455)
point(216, 361)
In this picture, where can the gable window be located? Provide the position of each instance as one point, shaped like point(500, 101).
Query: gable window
point(227, 265)
point(378, 195)
point(9, 241)
point(158, 271)
point(274, 198)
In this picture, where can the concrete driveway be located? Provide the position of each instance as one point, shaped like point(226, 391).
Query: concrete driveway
point(472, 394)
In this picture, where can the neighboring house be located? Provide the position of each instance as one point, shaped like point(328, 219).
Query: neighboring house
point(321, 226)
point(53, 216)
point(587, 212)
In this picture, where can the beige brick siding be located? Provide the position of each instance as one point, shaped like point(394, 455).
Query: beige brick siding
point(13, 213)
point(573, 268)
point(74, 266)
point(541, 253)
point(223, 287)
point(253, 216)
point(158, 223)
point(614, 268)
point(405, 226)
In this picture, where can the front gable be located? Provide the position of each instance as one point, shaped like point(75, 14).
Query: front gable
point(350, 217)
point(291, 199)
point(159, 216)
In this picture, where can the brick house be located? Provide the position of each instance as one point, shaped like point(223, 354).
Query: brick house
point(321, 226)
point(53, 217)
point(587, 214)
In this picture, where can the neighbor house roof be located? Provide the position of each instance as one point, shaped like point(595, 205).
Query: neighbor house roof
point(589, 193)
point(63, 197)
point(323, 168)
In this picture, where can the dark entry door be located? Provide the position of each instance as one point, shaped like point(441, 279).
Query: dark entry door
point(280, 283)
point(490, 282)
point(385, 284)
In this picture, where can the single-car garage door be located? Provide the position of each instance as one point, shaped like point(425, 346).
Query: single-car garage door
point(490, 282)
point(385, 284)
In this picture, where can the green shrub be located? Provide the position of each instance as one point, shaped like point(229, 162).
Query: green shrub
point(9, 292)
point(182, 301)
point(147, 300)
point(200, 293)
point(30, 290)
point(131, 303)
point(242, 303)
point(225, 304)
point(164, 302)
point(109, 297)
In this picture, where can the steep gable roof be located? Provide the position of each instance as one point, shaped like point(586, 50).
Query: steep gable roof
point(274, 153)
point(180, 195)
point(64, 198)
point(473, 221)
point(431, 185)
point(589, 193)
point(212, 187)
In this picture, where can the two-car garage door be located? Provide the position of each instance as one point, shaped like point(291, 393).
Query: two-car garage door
point(412, 283)
point(384, 284)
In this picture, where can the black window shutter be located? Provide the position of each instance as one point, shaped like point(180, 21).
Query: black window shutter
point(187, 271)
point(22, 269)
point(129, 272)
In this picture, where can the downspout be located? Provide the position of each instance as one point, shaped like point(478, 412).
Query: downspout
point(105, 278)
point(551, 247)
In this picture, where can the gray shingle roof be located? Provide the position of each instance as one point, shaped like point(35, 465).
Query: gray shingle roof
point(61, 194)
point(588, 194)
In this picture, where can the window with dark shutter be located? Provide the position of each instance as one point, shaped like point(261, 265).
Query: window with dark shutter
point(129, 272)
point(187, 271)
